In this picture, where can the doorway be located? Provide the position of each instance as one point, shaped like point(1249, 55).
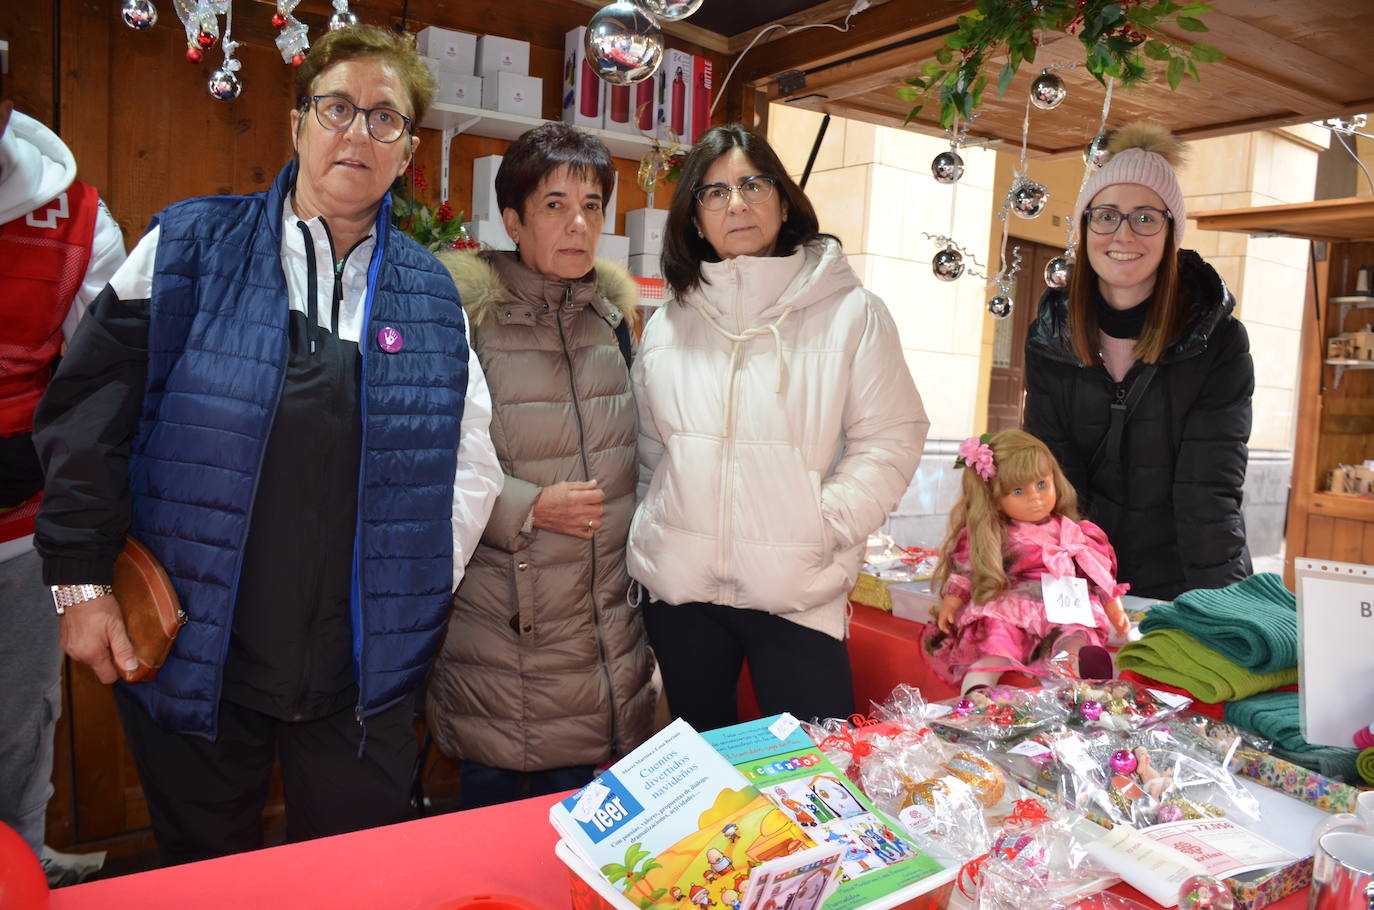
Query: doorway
point(1007, 383)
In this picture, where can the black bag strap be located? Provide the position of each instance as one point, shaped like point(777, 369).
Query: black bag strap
point(1121, 410)
point(622, 337)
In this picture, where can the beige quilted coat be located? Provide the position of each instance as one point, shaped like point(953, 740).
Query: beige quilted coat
point(544, 664)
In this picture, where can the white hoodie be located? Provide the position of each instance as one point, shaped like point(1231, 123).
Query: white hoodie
point(35, 167)
point(779, 425)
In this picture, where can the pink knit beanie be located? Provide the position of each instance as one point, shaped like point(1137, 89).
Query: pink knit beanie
point(1146, 155)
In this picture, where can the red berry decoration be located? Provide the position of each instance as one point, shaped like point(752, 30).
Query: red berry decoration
point(1149, 710)
point(194, 54)
point(278, 21)
point(205, 40)
point(298, 59)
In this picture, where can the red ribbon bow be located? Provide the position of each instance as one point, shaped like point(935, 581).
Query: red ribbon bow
point(1027, 813)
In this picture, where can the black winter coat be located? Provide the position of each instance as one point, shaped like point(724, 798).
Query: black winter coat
point(1170, 500)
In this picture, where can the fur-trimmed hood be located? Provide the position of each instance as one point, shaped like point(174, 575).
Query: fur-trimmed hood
point(483, 288)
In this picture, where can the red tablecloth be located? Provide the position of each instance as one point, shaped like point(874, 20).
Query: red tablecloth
point(419, 865)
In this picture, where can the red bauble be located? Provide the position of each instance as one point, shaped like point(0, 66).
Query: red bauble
point(205, 40)
point(298, 59)
point(278, 21)
point(194, 54)
point(23, 886)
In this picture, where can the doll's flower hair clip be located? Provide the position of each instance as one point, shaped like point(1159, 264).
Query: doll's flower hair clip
point(976, 454)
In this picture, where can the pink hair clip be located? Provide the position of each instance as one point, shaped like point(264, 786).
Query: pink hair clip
point(975, 453)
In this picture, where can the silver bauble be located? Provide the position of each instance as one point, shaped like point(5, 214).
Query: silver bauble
point(1028, 198)
point(948, 264)
point(224, 84)
point(1095, 152)
point(624, 43)
point(947, 167)
point(671, 10)
point(1047, 91)
point(1058, 271)
point(344, 18)
point(140, 15)
point(1000, 307)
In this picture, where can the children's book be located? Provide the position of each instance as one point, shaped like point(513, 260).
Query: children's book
point(673, 824)
point(802, 881)
point(878, 861)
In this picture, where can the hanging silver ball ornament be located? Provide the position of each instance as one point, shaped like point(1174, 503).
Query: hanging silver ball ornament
point(139, 15)
point(948, 264)
point(671, 10)
point(224, 84)
point(947, 167)
point(343, 18)
point(1058, 271)
point(1095, 152)
point(1047, 91)
point(999, 307)
point(1029, 198)
point(624, 43)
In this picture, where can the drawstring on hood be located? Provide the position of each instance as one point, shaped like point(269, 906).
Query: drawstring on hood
point(737, 343)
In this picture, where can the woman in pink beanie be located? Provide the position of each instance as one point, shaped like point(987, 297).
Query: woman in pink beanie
point(1139, 378)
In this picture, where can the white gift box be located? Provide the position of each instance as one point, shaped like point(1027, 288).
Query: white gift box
point(490, 233)
point(648, 265)
point(645, 229)
point(512, 93)
point(455, 51)
point(502, 55)
point(616, 248)
point(455, 88)
point(484, 206)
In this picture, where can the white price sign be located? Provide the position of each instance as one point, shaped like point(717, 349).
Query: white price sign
point(1066, 601)
point(1335, 627)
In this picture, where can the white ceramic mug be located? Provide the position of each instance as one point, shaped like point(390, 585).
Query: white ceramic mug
point(1364, 809)
point(1343, 872)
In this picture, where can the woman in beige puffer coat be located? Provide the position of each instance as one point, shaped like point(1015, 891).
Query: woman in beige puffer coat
point(545, 670)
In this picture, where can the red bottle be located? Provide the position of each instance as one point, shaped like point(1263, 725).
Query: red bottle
point(680, 105)
point(591, 91)
point(701, 108)
point(620, 103)
point(644, 104)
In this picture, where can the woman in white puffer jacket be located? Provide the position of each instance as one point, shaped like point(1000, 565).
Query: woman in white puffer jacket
point(779, 425)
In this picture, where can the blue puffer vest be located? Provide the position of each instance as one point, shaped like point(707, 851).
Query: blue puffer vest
point(217, 356)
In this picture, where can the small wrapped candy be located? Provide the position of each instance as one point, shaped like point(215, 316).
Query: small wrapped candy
point(980, 774)
point(1091, 710)
point(1123, 761)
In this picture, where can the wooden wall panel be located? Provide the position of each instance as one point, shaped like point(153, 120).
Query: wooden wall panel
point(28, 27)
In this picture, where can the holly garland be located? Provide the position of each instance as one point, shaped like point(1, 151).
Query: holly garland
point(1117, 37)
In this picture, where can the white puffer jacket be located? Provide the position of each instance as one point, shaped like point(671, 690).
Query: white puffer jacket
point(779, 426)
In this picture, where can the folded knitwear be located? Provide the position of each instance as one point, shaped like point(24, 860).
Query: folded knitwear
point(1177, 658)
point(1215, 711)
point(1364, 764)
point(1252, 622)
point(1275, 716)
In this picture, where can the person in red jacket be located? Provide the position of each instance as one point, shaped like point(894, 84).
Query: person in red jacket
point(58, 248)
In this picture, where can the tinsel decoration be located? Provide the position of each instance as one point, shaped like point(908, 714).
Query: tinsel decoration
point(293, 40)
point(224, 83)
point(200, 19)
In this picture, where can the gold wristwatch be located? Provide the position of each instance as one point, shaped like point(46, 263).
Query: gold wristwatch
point(64, 596)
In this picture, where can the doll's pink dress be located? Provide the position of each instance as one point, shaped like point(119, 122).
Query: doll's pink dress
point(1013, 623)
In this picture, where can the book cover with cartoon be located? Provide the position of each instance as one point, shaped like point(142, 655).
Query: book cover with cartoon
point(673, 824)
point(794, 774)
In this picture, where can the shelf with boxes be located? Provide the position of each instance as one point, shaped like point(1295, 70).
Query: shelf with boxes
point(1350, 350)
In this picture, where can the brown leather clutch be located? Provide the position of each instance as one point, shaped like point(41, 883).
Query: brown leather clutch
point(152, 611)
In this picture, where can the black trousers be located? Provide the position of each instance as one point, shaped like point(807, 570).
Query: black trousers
point(702, 647)
point(206, 798)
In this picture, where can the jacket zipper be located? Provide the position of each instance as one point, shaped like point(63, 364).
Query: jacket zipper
point(726, 586)
point(587, 475)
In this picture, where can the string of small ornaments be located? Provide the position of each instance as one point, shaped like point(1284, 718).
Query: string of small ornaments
point(1026, 198)
point(200, 18)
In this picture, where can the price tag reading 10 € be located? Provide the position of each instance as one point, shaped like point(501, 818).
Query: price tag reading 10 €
point(1066, 601)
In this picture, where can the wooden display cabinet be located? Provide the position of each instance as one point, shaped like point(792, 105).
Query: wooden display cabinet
point(1335, 415)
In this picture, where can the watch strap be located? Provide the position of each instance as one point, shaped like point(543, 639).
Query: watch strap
point(64, 596)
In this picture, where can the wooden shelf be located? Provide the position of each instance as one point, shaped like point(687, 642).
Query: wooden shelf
point(452, 119)
point(1343, 365)
point(1341, 505)
point(1352, 302)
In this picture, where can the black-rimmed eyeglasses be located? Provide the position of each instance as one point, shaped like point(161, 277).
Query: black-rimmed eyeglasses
point(756, 189)
point(336, 114)
point(1145, 221)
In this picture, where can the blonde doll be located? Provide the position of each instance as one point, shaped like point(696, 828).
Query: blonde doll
point(1017, 520)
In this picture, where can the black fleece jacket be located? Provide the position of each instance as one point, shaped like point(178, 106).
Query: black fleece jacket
point(1170, 499)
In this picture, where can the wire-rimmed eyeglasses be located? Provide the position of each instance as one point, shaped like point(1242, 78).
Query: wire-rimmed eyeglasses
point(336, 114)
point(1145, 221)
point(756, 189)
